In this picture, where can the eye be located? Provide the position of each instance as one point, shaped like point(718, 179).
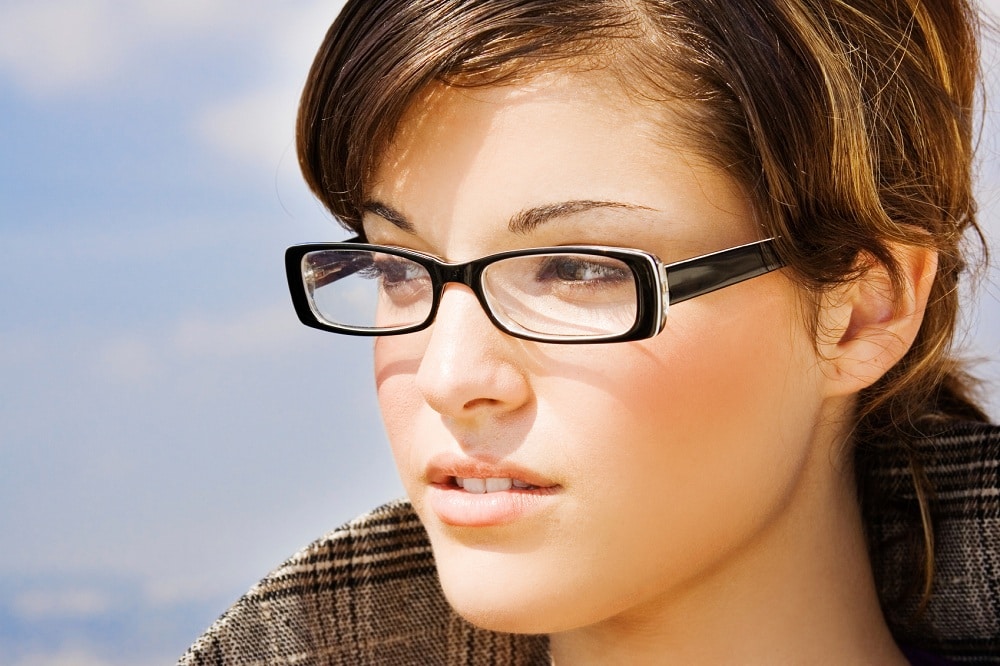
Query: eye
point(584, 269)
point(392, 270)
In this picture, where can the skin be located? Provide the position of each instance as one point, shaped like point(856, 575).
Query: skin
point(702, 505)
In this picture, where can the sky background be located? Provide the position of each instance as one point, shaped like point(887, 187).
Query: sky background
point(168, 431)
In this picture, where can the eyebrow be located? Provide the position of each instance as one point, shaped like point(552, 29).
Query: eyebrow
point(389, 214)
point(531, 218)
point(522, 222)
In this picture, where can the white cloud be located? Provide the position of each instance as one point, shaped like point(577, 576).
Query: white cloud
point(173, 591)
point(268, 330)
point(56, 47)
point(63, 657)
point(135, 360)
point(62, 603)
point(185, 14)
point(257, 125)
point(20, 349)
point(129, 360)
point(80, 656)
point(52, 45)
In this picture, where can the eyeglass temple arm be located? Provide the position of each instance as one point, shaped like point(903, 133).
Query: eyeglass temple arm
point(687, 279)
point(350, 264)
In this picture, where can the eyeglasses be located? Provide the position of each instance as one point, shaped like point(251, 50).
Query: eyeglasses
point(565, 294)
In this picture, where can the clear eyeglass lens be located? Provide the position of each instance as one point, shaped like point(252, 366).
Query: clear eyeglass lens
point(367, 290)
point(562, 294)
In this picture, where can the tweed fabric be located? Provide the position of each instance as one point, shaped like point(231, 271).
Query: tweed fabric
point(367, 593)
point(962, 618)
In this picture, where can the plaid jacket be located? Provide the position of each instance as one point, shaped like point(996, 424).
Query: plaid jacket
point(367, 593)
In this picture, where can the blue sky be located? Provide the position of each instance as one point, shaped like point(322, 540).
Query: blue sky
point(168, 432)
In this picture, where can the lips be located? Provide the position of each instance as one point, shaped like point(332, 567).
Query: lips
point(476, 475)
point(468, 492)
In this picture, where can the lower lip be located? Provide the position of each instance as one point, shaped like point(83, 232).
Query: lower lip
point(459, 508)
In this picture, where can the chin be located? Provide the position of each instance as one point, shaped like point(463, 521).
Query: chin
point(505, 620)
point(501, 592)
point(502, 613)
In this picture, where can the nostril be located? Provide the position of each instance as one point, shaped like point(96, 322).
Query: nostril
point(479, 402)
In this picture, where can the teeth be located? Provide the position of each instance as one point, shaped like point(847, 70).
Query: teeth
point(491, 485)
point(477, 486)
point(497, 485)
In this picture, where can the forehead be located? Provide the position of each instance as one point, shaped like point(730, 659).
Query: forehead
point(549, 108)
point(471, 158)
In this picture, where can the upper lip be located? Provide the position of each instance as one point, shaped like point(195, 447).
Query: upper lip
point(445, 467)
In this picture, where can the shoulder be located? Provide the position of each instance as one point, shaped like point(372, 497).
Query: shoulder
point(961, 620)
point(366, 593)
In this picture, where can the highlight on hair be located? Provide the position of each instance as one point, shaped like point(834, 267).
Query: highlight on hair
point(849, 123)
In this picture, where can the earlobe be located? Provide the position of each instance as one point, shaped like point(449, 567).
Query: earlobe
point(868, 325)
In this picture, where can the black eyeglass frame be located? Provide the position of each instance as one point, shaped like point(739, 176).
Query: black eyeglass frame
point(659, 285)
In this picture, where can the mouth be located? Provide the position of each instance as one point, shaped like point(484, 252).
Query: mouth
point(479, 486)
point(489, 501)
point(464, 491)
point(480, 477)
point(469, 492)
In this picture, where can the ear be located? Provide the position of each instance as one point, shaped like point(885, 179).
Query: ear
point(865, 327)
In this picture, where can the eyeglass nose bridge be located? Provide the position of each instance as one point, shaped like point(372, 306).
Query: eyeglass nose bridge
point(459, 273)
point(468, 274)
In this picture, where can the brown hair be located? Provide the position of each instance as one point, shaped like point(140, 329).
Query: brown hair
point(849, 122)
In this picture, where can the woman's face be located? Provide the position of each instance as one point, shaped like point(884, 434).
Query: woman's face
point(637, 470)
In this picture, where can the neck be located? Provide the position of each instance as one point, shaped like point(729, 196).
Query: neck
point(801, 592)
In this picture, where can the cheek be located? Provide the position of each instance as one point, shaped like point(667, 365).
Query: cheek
point(687, 445)
point(707, 376)
point(713, 399)
point(396, 362)
point(708, 373)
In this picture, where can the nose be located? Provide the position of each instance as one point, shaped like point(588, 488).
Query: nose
point(469, 368)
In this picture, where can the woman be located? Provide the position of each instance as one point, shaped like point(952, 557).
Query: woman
point(533, 186)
